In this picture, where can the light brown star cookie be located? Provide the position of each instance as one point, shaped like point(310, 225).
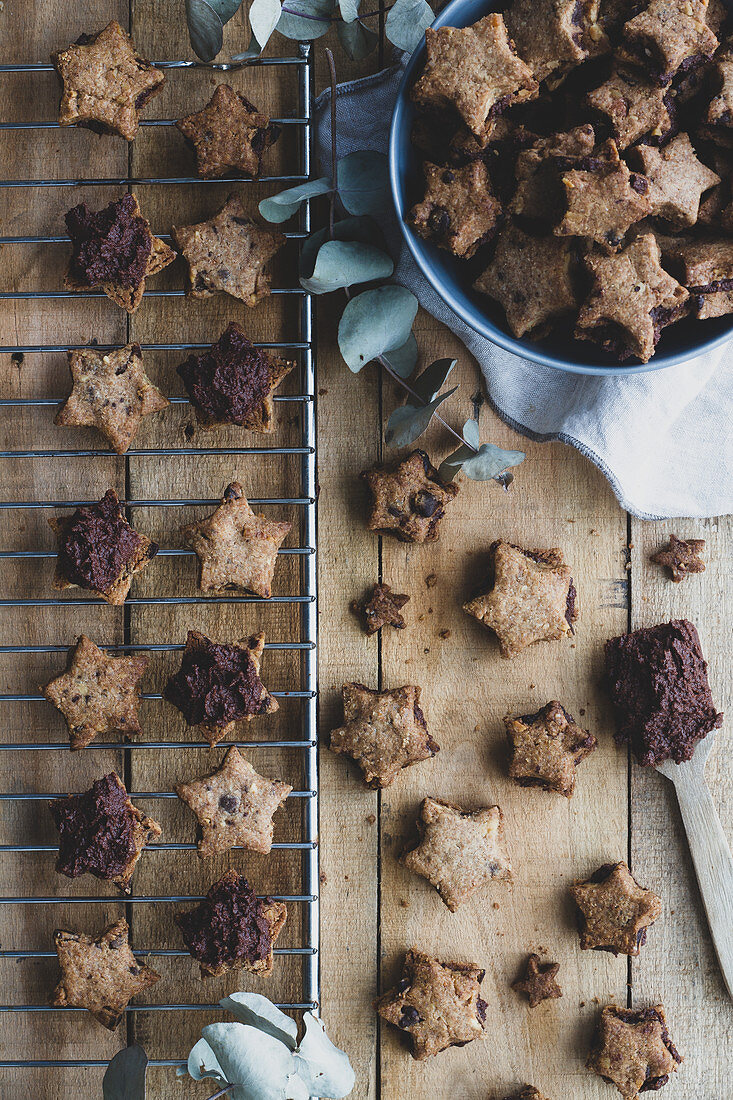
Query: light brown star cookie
point(705, 267)
point(547, 34)
point(546, 748)
point(531, 597)
point(633, 106)
point(408, 498)
point(229, 134)
point(603, 201)
point(632, 1050)
point(236, 548)
point(718, 121)
point(666, 36)
point(538, 982)
point(381, 608)
point(228, 252)
point(615, 911)
point(459, 211)
point(459, 851)
point(473, 70)
point(437, 1004)
point(537, 171)
point(105, 82)
point(101, 974)
point(681, 557)
point(97, 693)
point(529, 1092)
point(383, 731)
point(677, 180)
point(234, 806)
point(110, 392)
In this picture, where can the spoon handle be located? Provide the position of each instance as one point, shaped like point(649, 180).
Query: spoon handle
point(713, 861)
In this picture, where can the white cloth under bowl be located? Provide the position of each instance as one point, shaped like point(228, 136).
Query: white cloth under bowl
point(663, 439)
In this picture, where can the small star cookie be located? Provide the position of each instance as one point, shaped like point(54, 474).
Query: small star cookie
point(381, 608)
point(632, 1050)
point(459, 211)
point(105, 82)
point(236, 548)
point(681, 557)
point(228, 134)
point(383, 731)
point(97, 693)
point(228, 252)
point(100, 974)
point(459, 851)
point(110, 392)
point(234, 806)
point(529, 1092)
point(532, 598)
point(408, 498)
point(615, 911)
point(436, 1004)
point(538, 983)
point(546, 748)
point(677, 180)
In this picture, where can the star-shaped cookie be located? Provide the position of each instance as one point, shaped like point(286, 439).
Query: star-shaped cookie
point(382, 607)
point(229, 134)
point(677, 180)
point(408, 498)
point(474, 70)
point(100, 974)
point(228, 252)
point(236, 548)
point(105, 82)
point(632, 1050)
point(547, 35)
point(681, 557)
point(110, 392)
point(459, 211)
point(97, 693)
point(528, 1092)
point(633, 107)
point(615, 911)
point(437, 1004)
point(603, 201)
point(234, 806)
point(532, 597)
point(459, 850)
point(538, 983)
point(383, 731)
point(546, 748)
point(668, 35)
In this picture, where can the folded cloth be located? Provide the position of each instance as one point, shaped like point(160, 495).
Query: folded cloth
point(663, 439)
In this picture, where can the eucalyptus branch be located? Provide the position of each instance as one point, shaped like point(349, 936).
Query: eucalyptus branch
point(334, 157)
point(409, 390)
point(222, 1092)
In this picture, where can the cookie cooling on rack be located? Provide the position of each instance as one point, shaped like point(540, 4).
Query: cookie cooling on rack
point(229, 134)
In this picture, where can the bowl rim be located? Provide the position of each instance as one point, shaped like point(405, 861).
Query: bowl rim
point(523, 349)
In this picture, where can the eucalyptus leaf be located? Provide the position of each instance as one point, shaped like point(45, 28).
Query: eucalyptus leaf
point(402, 360)
point(349, 10)
point(375, 321)
point(470, 433)
point(202, 1063)
point(325, 1070)
point(357, 40)
point(205, 29)
point(225, 9)
point(305, 20)
point(124, 1078)
point(363, 182)
point(429, 384)
point(257, 1066)
point(264, 16)
point(260, 1012)
point(490, 462)
point(407, 22)
point(278, 208)
point(347, 229)
point(345, 263)
point(408, 422)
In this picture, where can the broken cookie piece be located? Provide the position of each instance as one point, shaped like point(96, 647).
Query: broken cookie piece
point(408, 498)
point(229, 134)
point(383, 731)
point(381, 608)
point(718, 121)
point(677, 180)
point(459, 850)
point(668, 36)
point(603, 201)
point(632, 1050)
point(614, 910)
point(547, 748)
point(681, 557)
point(538, 981)
point(459, 211)
point(633, 107)
point(436, 1004)
point(531, 597)
point(705, 267)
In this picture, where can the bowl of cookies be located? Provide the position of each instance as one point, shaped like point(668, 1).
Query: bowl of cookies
point(562, 175)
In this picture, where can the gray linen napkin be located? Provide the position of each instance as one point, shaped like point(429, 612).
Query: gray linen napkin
point(664, 440)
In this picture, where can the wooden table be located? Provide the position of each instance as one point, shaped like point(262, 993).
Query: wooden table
point(372, 910)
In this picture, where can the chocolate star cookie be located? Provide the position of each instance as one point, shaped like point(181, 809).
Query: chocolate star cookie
point(667, 36)
point(459, 211)
point(601, 202)
point(234, 806)
point(538, 983)
point(219, 684)
point(100, 974)
point(110, 392)
point(99, 550)
point(232, 929)
point(383, 731)
point(546, 748)
point(548, 34)
point(97, 693)
point(677, 180)
point(228, 252)
point(615, 911)
point(632, 1050)
point(234, 382)
point(681, 557)
point(381, 608)
point(101, 833)
point(473, 70)
point(408, 498)
point(531, 597)
point(459, 850)
point(436, 1004)
point(114, 249)
point(105, 82)
point(633, 106)
point(236, 548)
point(229, 134)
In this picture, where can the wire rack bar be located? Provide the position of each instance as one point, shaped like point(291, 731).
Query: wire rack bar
point(49, 125)
point(293, 1005)
point(66, 899)
point(152, 647)
point(159, 452)
point(28, 348)
point(170, 553)
point(143, 180)
point(296, 846)
point(34, 295)
point(220, 66)
point(149, 695)
point(132, 503)
point(48, 746)
point(158, 953)
point(33, 797)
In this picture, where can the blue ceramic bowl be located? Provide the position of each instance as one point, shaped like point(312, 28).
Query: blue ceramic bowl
point(679, 342)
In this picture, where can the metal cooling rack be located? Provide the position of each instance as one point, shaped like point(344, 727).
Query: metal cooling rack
point(305, 598)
